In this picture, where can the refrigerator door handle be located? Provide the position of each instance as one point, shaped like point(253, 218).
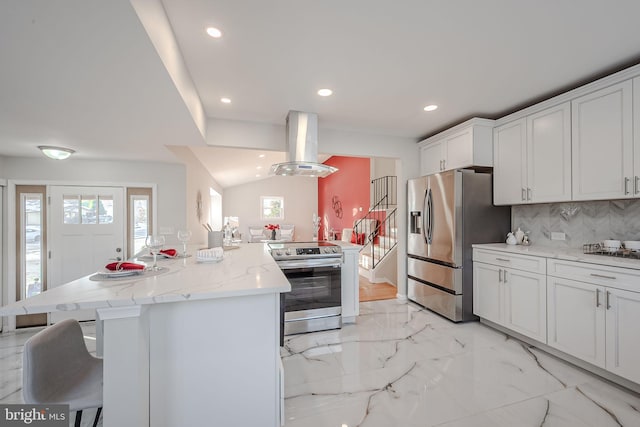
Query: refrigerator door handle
point(425, 216)
point(429, 217)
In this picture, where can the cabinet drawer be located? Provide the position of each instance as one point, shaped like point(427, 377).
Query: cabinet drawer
point(520, 262)
point(613, 277)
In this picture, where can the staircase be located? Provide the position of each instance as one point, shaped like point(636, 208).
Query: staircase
point(380, 230)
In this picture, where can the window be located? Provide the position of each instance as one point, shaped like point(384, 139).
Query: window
point(139, 221)
point(215, 214)
point(271, 207)
point(31, 265)
point(83, 209)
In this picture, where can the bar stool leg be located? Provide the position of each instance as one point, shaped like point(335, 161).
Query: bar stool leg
point(95, 422)
point(78, 418)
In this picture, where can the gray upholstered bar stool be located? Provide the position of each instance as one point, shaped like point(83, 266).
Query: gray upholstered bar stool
point(58, 369)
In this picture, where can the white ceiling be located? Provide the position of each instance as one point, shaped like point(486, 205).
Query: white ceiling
point(84, 74)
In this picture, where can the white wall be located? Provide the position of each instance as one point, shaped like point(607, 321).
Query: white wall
point(300, 203)
point(169, 178)
point(198, 180)
point(382, 166)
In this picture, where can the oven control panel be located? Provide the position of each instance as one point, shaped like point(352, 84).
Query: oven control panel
point(306, 252)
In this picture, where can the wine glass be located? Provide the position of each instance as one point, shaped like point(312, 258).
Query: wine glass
point(154, 243)
point(184, 236)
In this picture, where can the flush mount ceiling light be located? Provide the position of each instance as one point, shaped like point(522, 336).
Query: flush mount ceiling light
point(214, 32)
point(325, 92)
point(431, 107)
point(56, 153)
point(225, 100)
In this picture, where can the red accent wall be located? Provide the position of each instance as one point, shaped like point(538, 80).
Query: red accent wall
point(349, 188)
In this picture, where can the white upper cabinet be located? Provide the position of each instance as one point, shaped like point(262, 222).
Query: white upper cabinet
point(431, 158)
point(602, 131)
point(509, 163)
point(532, 158)
point(636, 137)
point(549, 155)
point(465, 145)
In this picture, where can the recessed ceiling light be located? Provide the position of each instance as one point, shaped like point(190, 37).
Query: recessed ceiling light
point(258, 167)
point(225, 100)
point(214, 32)
point(325, 92)
point(257, 175)
point(431, 107)
point(261, 156)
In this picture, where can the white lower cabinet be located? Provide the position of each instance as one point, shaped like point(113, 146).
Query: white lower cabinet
point(596, 324)
point(487, 290)
point(525, 300)
point(588, 311)
point(597, 319)
point(576, 319)
point(623, 333)
point(513, 298)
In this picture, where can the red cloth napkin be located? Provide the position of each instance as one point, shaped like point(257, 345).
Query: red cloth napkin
point(171, 253)
point(120, 266)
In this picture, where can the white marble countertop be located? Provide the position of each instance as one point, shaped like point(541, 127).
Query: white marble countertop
point(248, 270)
point(563, 254)
point(346, 246)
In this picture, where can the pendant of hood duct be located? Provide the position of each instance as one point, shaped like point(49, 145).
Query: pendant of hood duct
point(302, 148)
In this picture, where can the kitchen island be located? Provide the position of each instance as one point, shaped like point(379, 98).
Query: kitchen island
point(196, 344)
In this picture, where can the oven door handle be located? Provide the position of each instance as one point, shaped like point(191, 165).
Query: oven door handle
point(310, 263)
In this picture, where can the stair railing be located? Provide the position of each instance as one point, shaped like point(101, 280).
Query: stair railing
point(380, 238)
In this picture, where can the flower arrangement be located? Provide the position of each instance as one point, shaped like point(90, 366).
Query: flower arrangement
point(272, 228)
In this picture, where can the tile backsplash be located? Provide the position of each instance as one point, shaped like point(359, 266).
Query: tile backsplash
point(582, 222)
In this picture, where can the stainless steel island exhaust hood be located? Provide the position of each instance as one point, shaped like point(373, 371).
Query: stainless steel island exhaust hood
point(302, 148)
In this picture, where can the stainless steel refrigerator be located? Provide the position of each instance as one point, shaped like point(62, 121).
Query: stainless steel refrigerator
point(448, 212)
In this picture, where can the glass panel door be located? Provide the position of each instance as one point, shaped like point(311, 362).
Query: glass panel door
point(30, 242)
point(139, 218)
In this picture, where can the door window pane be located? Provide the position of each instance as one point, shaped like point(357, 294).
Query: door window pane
point(140, 215)
point(31, 238)
point(71, 209)
point(89, 209)
point(105, 208)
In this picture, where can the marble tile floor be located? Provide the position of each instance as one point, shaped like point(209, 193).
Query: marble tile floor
point(401, 365)
point(11, 347)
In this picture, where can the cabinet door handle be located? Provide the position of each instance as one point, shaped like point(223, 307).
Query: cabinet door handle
point(524, 194)
point(503, 259)
point(637, 184)
point(528, 193)
point(606, 299)
point(602, 276)
point(444, 164)
point(597, 297)
point(500, 275)
point(504, 276)
point(626, 185)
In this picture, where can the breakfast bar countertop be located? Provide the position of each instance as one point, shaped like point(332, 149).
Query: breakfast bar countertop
point(566, 254)
point(249, 270)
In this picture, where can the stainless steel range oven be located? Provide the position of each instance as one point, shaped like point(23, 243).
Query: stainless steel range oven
point(313, 270)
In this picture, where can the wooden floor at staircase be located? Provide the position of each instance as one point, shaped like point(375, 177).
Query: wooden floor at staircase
point(376, 291)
